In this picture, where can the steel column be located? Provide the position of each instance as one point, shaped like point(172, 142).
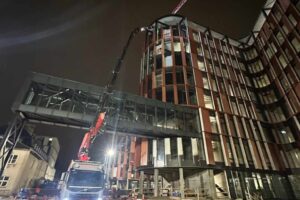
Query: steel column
point(9, 140)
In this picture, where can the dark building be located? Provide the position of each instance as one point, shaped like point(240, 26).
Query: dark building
point(247, 93)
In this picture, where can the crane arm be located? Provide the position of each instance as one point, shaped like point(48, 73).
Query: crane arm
point(83, 153)
point(179, 6)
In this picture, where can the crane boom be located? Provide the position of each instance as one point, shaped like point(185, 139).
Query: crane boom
point(83, 153)
point(179, 6)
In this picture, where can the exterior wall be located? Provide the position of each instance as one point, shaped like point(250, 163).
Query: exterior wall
point(22, 173)
point(247, 94)
point(238, 89)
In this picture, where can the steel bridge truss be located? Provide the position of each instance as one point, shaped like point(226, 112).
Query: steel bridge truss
point(56, 101)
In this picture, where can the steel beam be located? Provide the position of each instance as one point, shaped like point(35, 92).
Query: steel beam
point(10, 139)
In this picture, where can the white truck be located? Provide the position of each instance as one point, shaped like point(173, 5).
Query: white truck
point(83, 180)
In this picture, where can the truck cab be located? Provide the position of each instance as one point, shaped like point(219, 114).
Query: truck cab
point(83, 180)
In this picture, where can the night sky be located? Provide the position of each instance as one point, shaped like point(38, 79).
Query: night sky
point(81, 40)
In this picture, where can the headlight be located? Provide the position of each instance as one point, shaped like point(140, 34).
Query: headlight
point(99, 198)
point(66, 198)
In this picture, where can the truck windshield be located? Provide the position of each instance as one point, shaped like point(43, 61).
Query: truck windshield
point(85, 178)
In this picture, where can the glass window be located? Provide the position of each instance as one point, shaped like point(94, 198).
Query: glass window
point(174, 153)
point(218, 100)
point(168, 54)
point(12, 159)
point(158, 78)
point(170, 94)
point(284, 83)
point(217, 149)
point(261, 81)
point(4, 181)
point(200, 63)
point(190, 77)
point(193, 97)
point(187, 148)
point(234, 108)
point(178, 58)
point(225, 73)
point(213, 84)
point(279, 37)
point(230, 89)
point(223, 125)
point(285, 135)
point(177, 46)
point(181, 95)
point(213, 122)
point(196, 37)
point(292, 19)
point(169, 78)
point(167, 33)
point(238, 151)
point(208, 100)
point(282, 61)
point(288, 54)
point(230, 155)
point(296, 44)
point(205, 82)
point(179, 76)
point(285, 29)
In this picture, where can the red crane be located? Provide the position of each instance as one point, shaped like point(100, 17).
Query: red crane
point(83, 153)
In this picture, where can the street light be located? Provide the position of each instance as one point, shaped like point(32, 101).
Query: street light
point(110, 152)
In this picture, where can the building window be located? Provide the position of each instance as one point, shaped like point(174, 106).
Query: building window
point(169, 78)
point(292, 19)
point(296, 44)
point(201, 64)
point(158, 78)
point(181, 96)
point(4, 181)
point(196, 37)
point(208, 100)
point(192, 96)
point(261, 81)
point(217, 150)
point(179, 76)
point(168, 54)
point(279, 37)
point(213, 123)
point(282, 61)
point(177, 45)
point(205, 82)
point(12, 159)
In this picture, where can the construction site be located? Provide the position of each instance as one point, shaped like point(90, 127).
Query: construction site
point(215, 118)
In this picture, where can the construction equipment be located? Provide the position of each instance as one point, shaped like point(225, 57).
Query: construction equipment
point(179, 6)
point(83, 180)
point(97, 125)
point(83, 163)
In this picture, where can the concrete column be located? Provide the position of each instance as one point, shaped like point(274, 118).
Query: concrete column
point(141, 182)
point(127, 184)
point(155, 182)
point(211, 184)
point(181, 182)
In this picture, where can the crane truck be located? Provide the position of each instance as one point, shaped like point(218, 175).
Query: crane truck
point(84, 178)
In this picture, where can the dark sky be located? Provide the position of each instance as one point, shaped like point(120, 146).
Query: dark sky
point(81, 40)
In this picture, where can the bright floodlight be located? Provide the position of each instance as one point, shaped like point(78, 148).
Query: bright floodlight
point(110, 152)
